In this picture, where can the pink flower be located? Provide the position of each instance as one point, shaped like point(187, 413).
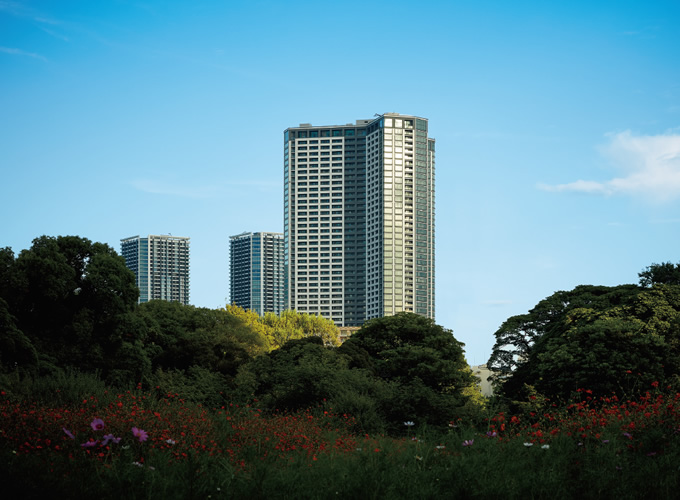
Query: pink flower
point(68, 432)
point(468, 442)
point(110, 437)
point(97, 424)
point(140, 434)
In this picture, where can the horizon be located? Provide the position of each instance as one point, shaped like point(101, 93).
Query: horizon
point(557, 131)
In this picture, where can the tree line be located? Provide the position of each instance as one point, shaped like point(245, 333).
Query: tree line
point(67, 303)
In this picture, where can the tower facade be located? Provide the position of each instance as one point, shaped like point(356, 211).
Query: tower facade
point(161, 266)
point(359, 218)
point(257, 272)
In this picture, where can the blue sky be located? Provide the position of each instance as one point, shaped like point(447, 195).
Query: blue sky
point(557, 128)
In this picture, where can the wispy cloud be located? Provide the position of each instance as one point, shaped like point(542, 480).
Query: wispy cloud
point(14, 8)
point(645, 33)
point(665, 221)
point(183, 190)
point(171, 189)
point(649, 167)
point(28, 14)
point(55, 34)
point(497, 303)
point(46, 20)
point(19, 52)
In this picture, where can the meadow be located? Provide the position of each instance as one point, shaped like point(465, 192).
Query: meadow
point(72, 434)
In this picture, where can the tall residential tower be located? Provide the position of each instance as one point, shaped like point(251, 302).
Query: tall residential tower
point(359, 218)
point(257, 272)
point(161, 266)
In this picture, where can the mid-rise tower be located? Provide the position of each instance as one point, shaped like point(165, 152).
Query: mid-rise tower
point(257, 272)
point(161, 266)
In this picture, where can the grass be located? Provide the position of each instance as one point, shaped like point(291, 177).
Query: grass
point(586, 448)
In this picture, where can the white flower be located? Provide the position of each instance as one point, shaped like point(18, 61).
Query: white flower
point(545, 446)
point(171, 441)
point(528, 444)
point(409, 424)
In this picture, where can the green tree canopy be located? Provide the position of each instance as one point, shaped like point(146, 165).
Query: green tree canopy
point(425, 361)
point(68, 295)
point(599, 338)
point(663, 274)
point(304, 373)
point(214, 339)
point(408, 346)
point(289, 325)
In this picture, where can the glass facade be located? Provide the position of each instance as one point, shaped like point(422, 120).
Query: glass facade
point(355, 198)
point(257, 272)
point(161, 266)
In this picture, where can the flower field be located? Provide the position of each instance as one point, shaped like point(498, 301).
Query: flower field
point(137, 444)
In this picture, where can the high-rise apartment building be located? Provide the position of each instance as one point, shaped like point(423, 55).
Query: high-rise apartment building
point(359, 218)
point(257, 272)
point(161, 266)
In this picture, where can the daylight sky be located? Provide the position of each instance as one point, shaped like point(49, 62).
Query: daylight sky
point(557, 128)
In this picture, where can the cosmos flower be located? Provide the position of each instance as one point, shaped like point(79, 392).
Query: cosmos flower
point(140, 434)
point(97, 424)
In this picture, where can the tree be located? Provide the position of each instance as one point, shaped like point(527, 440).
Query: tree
point(191, 336)
point(422, 358)
point(16, 350)
point(604, 339)
point(516, 337)
point(67, 295)
point(664, 273)
point(304, 373)
point(289, 325)
point(295, 325)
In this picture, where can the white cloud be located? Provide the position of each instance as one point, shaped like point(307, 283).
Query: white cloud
point(19, 52)
point(649, 167)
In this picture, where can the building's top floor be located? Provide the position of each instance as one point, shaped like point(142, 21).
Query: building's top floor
point(264, 234)
point(360, 128)
point(167, 237)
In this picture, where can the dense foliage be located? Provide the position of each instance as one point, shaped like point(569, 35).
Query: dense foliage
point(423, 361)
point(665, 273)
point(70, 304)
point(594, 337)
